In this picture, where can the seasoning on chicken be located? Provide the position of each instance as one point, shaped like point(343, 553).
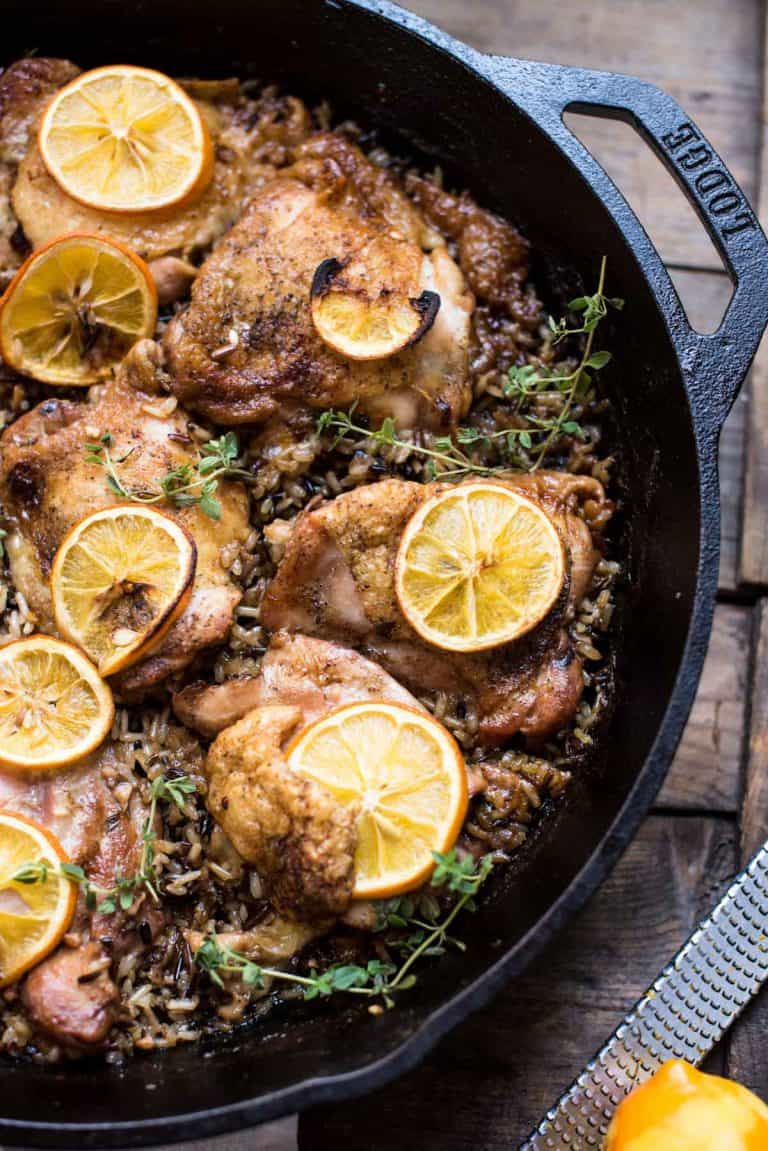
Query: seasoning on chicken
point(336, 580)
point(301, 840)
point(247, 347)
point(47, 485)
point(25, 88)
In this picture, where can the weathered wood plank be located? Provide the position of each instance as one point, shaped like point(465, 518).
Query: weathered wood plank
point(754, 540)
point(754, 815)
point(487, 1083)
point(706, 773)
point(706, 53)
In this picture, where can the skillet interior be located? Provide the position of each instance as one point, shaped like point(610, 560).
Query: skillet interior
point(379, 73)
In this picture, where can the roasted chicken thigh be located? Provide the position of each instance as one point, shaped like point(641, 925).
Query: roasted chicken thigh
point(246, 346)
point(300, 838)
point(336, 580)
point(71, 994)
point(251, 139)
point(47, 485)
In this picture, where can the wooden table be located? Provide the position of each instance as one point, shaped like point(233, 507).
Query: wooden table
point(487, 1083)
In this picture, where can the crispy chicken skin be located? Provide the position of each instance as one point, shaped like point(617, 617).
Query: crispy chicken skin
point(246, 346)
point(46, 486)
point(492, 254)
point(336, 580)
point(297, 671)
point(249, 138)
point(301, 841)
point(299, 838)
point(71, 995)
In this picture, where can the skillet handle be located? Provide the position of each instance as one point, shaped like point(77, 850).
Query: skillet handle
point(714, 365)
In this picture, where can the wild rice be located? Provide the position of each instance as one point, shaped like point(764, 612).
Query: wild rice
point(206, 886)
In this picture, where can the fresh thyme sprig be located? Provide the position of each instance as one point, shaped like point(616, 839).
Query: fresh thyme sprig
point(107, 900)
point(188, 485)
point(173, 791)
point(448, 459)
point(378, 978)
point(523, 382)
point(445, 452)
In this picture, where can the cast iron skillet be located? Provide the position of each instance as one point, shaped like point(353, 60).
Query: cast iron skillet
point(497, 126)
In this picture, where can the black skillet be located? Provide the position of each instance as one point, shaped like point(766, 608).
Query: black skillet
point(496, 124)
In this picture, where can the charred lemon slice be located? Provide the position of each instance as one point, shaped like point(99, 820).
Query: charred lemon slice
point(405, 774)
point(74, 309)
point(126, 139)
point(370, 307)
point(54, 706)
point(36, 901)
point(478, 565)
point(119, 580)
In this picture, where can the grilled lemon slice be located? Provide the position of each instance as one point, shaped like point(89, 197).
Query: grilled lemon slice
point(54, 707)
point(126, 139)
point(74, 309)
point(405, 773)
point(478, 565)
point(120, 578)
point(36, 901)
point(371, 307)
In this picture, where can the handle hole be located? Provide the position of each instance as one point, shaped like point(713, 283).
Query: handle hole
point(698, 273)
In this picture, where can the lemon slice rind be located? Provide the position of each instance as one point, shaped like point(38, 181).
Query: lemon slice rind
point(54, 707)
point(120, 579)
point(478, 565)
point(126, 139)
point(404, 773)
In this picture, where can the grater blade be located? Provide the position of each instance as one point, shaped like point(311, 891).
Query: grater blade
point(682, 1015)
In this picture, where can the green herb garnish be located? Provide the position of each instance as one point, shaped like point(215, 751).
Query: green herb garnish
point(107, 900)
point(377, 979)
point(448, 457)
point(188, 485)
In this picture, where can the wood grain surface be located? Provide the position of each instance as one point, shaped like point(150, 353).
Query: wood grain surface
point(488, 1082)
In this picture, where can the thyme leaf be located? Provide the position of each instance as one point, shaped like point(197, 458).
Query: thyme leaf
point(526, 381)
point(186, 485)
point(378, 979)
point(449, 458)
point(446, 457)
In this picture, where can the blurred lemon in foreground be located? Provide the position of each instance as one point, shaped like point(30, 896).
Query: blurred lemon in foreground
point(682, 1109)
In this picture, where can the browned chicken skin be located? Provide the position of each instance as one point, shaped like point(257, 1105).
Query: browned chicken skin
point(300, 839)
point(492, 254)
point(25, 88)
point(246, 346)
point(249, 137)
point(336, 580)
point(71, 995)
point(297, 835)
point(297, 671)
point(46, 486)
